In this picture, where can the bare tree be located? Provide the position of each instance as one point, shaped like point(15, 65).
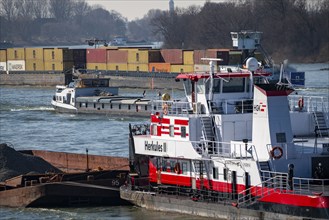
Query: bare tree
point(61, 9)
point(8, 9)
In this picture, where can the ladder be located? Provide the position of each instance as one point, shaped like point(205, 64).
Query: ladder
point(320, 123)
point(207, 129)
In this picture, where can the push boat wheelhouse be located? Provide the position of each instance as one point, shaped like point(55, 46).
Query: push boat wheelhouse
point(236, 140)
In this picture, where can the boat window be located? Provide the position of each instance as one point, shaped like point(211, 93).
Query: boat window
point(184, 168)
point(234, 85)
point(94, 105)
point(128, 107)
point(145, 107)
point(216, 86)
point(183, 131)
point(215, 172)
point(80, 105)
point(119, 106)
point(200, 87)
point(198, 165)
point(171, 131)
point(86, 104)
point(102, 105)
point(281, 138)
point(225, 172)
point(188, 87)
point(111, 106)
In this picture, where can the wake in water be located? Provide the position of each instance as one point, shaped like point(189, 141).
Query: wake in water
point(40, 108)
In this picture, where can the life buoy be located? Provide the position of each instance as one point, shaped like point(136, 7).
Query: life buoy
point(301, 103)
point(165, 109)
point(177, 168)
point(274, 155)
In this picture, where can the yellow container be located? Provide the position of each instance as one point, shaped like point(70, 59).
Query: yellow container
point(182, 68)
point(138, 57)
point(117, 66)
point(57, 54)
point(34, 65)
point(3, 55)
point(15, 54)
point(35, 54)
point(138, 67)
point(188, 57)
point(52, 55)
point(53, 66)
point(96, 66)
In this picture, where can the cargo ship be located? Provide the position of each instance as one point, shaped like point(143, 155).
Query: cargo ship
point(239, 148)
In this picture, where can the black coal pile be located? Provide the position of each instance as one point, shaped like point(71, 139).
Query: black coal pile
point(13, 163)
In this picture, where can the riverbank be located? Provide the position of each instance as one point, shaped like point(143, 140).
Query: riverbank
point(123, 81)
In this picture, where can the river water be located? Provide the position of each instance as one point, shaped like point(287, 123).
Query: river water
point(27, 121)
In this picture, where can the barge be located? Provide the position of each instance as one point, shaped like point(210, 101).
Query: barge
point(238, 148)
point(94, 95)
point(79, 180)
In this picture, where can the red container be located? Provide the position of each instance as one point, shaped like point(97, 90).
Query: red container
point(96, 55)
point(198, 54)
point(117, 56)
point(173, 56)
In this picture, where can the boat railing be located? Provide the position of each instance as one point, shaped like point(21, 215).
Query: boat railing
point(309, 186)
point(226, 106)
point(171, 107)
point(224, 149)
point(308, 103)
point(235, 106)
point(275, 184)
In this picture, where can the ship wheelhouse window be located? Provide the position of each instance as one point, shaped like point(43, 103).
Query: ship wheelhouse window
point(184, 168)
point(183, 131)
point(234, 85)
point(171, 131)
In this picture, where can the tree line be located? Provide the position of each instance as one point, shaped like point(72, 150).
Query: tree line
point(293, 29)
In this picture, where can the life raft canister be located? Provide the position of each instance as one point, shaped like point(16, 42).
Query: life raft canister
point(275, 155)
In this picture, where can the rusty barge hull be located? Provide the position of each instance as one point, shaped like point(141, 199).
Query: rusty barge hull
point(73, 162)
point(61, 194)
point(87, 180)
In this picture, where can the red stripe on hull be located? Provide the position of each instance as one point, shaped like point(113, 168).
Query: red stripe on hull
point(181, 122)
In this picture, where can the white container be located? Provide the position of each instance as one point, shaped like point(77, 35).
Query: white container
point(3, 66)
point(16, 65)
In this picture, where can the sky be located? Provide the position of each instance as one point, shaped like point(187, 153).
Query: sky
point(136, 9)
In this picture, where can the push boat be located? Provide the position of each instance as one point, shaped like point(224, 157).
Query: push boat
point(95, 95)
point(238, 148)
